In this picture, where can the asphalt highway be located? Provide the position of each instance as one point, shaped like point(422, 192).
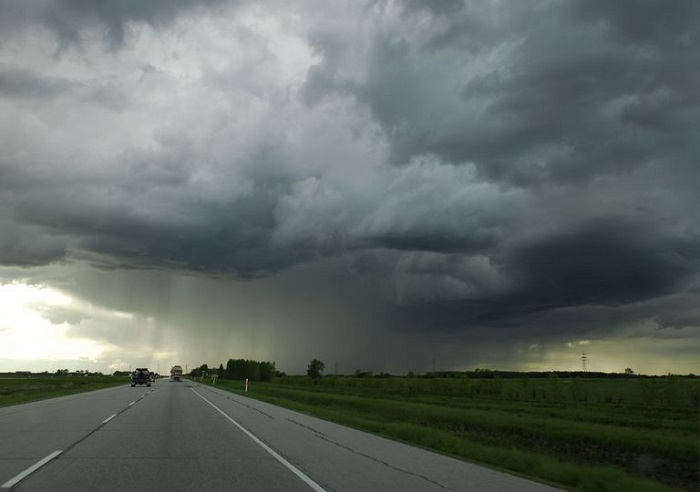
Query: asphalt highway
point(186, 436)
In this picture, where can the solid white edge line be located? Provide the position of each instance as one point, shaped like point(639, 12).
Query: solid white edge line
point(130, 404)
point(292, 468)
point(14, 481)
point(109, 418)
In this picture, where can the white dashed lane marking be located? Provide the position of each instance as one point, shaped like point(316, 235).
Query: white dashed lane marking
point(15, 480)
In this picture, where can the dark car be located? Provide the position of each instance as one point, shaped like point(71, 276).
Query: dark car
point(141, 376)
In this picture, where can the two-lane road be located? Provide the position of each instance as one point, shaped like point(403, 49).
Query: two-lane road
point(185, 436)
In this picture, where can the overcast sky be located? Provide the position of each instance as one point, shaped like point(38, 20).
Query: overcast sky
point(385, 186)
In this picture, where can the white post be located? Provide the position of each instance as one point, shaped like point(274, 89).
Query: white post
point(246, 385)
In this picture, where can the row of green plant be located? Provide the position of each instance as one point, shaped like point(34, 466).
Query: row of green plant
point(25, 389)
point(579, 446)
point(668, 391)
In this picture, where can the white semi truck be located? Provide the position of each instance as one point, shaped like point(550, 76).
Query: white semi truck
point(176, 373)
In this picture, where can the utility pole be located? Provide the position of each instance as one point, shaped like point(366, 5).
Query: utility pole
point(584, 358)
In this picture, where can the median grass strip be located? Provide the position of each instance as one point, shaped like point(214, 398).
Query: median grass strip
point(587, 447)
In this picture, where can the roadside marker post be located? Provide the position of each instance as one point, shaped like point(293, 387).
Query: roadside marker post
point(246, 385)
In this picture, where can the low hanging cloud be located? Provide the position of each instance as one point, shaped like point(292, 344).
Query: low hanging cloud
point(473, 167)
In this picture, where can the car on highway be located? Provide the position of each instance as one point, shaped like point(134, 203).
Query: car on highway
point(141, 376)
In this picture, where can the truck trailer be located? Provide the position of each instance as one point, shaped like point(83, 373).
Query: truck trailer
point(176, 373)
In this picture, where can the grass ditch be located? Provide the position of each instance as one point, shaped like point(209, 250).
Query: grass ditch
point(588, 447)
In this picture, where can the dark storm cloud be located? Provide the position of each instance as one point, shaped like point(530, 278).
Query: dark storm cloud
point(28, 246)
point(581, 89)
point(25, 84)
point(68, 18)
point(216, 239)
point(644, 21)
point(609, 263)
point(581, 92)
point(523, 169)
point(606, 262)
point(443, 243)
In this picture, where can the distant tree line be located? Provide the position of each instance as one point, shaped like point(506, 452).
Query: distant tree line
point(241, 369)
point(238, 370)
point(316, 367)
point(59, 372)
point(488, 374)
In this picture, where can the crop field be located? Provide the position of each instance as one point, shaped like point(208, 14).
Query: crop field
point(581, 434)
point(23, 389)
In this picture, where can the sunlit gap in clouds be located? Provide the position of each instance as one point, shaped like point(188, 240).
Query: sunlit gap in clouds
point(34, 325)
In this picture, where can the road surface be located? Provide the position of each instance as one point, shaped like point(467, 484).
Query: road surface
point(186, 436)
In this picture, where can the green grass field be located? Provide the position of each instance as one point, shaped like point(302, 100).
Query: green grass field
point(25, 389)
point(592, 435)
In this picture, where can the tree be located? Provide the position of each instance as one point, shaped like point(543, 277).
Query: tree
point(629, 371)
point(230, 369)
point(267, 370)
point(201, 371)
point(315, 368)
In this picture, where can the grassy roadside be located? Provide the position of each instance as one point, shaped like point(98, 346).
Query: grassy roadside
point(26, 389)
point(579, 447)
